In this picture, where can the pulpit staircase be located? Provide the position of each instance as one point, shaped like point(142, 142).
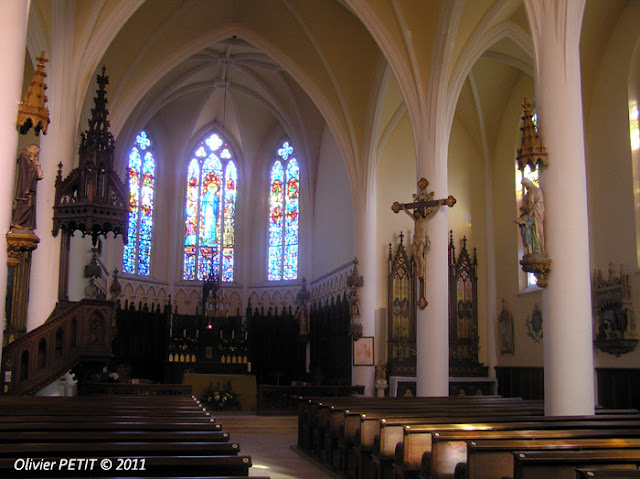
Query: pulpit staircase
point(76, 333)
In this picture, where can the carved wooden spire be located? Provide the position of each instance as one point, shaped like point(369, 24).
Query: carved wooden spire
point(531, 150)
point(32, 111)
point(93, 199)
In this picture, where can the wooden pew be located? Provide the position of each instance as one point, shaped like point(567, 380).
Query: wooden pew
point(113, 449)
point(112, 424)
point(607, 473)
point(92, 418)
point(171, 438)
point(319, 413)
point(308, 408)
point(392, 432)
point(419, 439)
point(112, 436)
point(563, 464)
point(337, 425)
point(171, 465)
point(490, 458)
point(327, 429)
point(389, 427)
point(163, 477)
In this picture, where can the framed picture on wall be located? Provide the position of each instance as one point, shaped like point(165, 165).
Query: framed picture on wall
point(363, 351)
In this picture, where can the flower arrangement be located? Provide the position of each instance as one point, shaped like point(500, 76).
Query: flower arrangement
point(220, 397)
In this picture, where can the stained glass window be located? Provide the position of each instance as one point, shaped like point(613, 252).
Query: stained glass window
point(136, 257)
point(210, 207)
point(284, 216)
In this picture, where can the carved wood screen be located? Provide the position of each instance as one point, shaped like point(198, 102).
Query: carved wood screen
point(463, 313)
point(330, 342)
point(401, 310)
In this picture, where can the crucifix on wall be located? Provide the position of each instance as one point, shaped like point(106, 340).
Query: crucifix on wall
point(424, 207)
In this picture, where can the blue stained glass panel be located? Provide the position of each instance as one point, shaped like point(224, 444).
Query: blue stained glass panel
point(191, 213)
point(136, 256)
point(189, 271)
point(146, 213)
point(210, 197)
point(284, 213)
point(227, 264)
point(276, 221)
point(291, 223)
point(210, 210)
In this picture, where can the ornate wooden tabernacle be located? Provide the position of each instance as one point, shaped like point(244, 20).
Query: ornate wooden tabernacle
point(463, 320)
point(401, 310)
point(463, 313)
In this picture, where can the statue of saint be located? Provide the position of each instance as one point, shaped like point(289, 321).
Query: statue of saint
point(531, 219)
point(28, 173)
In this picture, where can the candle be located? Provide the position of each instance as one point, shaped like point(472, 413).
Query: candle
point(233, 333)
point(184, 333)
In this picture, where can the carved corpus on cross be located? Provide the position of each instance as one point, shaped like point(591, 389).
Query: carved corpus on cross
point(424, 207)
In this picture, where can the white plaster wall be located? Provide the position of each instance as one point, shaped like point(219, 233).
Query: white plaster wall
point(396, 181)
point(613, 204)
point(333, 219)
point(468, 216)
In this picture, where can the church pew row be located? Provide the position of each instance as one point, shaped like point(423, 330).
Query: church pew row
point(563, 464)
point(588, 473)
point(328, 427)
point(392, 432)
point(312, 410)
point(318, 415)
point(125, 448)
point(356, 427)
point(489, 458)
point(446, 449)
point(170, 465)
point(177, 439)
point(359, 441)
point(137, 417)
point(112, 436)
point(111, 424)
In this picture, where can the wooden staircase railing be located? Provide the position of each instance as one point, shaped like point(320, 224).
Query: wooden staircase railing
point(75, 332)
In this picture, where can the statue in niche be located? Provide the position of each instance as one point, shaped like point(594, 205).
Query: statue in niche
point(28, 173)
point(210, 305)
point(531, 219)
point(302, 316)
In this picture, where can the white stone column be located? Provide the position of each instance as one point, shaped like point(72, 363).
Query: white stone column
point(568, 338)
point(13, 27)
point(57, 146)
point(432, 328)
point(365, 235)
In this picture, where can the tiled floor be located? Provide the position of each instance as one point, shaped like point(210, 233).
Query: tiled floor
point(271, 441)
